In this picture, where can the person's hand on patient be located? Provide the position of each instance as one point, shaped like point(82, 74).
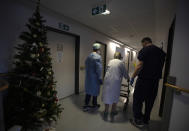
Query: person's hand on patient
point(100, 81)
point(132, 81)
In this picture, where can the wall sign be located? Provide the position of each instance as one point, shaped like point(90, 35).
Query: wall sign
point(59, 53)
point(63, 26)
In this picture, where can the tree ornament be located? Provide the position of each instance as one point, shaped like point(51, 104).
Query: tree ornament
point(41, 119)
point(33, 55)
point(37, 23)
point(48, 93)
point(49, 73)
point(43, 105)
point(28, 62)
point(40, 43)
point(33, 74)
point(41, 68)
point(37, 55)
point(42, 49)
point(34, 44)
point(56, 99)
point(39, 93)
point(50, 120)
point(34, 36)
point(31, 48)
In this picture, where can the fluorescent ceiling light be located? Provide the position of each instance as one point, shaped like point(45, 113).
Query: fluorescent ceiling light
point(107, 12)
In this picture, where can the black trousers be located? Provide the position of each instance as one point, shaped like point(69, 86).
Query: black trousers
point(88, 98)
point(145, 92)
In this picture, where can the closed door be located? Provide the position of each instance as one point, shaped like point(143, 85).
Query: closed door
point(63, 60)
point(103, 56)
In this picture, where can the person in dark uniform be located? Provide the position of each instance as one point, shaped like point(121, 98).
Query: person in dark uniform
point(149, 70)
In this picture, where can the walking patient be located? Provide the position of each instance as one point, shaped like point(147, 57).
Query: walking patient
point(112, 84)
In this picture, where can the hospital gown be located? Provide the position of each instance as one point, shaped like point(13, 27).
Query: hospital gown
point(116, 70)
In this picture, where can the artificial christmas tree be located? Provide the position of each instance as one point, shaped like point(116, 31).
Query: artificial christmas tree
point(32, 97)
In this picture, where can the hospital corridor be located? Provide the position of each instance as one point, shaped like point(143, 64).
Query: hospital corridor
point(94, 65)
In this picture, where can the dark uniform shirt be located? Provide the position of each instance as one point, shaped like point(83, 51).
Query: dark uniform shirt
point(153, 60)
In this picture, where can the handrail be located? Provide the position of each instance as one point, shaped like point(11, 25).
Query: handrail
point(4, 88)
point(177, 88)
point(5, 74)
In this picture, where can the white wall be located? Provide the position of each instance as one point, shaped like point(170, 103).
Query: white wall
point(179, 68)
point(14, 15)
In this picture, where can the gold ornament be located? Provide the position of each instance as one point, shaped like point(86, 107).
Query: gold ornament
point(37, 23)
point(41, 119)
point(40, 43)
point(49, 73)
point(33, 55)
point(39, 93)
point(34, 36)
point(28, 62)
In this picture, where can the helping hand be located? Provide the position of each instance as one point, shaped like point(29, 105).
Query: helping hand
point(132, 81)
point(100, 81)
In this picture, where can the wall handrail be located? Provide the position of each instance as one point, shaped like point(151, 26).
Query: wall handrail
point(177, 88)
point(5, 74)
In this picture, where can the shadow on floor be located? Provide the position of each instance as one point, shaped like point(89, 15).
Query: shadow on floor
point(122, 117)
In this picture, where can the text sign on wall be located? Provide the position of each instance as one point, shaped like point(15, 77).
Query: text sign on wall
point(59, 53)
point(63, 26)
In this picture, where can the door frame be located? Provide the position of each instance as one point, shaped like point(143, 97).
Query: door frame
point(77, 53)
point(167, 65)
point(105, 56)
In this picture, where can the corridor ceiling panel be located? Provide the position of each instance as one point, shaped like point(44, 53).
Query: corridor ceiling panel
point(129, 21)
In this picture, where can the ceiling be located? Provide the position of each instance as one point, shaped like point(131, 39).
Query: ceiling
point(129, 21)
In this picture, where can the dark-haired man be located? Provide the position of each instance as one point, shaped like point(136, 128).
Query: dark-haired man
point(149, 71)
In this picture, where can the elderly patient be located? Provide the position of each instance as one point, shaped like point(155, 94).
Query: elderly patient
point(112, 83)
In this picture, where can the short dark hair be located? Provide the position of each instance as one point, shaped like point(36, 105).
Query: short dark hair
point(146, 39)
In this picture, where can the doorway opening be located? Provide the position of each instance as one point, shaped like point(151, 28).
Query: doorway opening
point(103, 55)
point(167, 65)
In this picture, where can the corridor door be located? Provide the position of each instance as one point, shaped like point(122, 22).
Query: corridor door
point(63, 62)
point(103, 56)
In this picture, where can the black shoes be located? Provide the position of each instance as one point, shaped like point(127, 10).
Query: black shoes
point(86, 108)
point(96, 106)
point(138, 123)
point(90, 108)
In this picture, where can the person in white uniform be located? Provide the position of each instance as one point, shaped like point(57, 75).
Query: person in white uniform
point(115, 72)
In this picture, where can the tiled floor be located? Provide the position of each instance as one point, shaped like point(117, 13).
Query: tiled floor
point(74, 119)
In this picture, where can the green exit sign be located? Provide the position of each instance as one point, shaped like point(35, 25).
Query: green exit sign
point(99, 10)
point(63, 26)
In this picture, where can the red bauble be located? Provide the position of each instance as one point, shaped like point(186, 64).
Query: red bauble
point(33, 74)
point(56, 99)
point(42, 49)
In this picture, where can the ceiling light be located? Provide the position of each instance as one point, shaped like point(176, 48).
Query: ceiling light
point(107, 12)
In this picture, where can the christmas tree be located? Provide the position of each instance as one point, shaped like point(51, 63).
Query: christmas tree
point(32, 99)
